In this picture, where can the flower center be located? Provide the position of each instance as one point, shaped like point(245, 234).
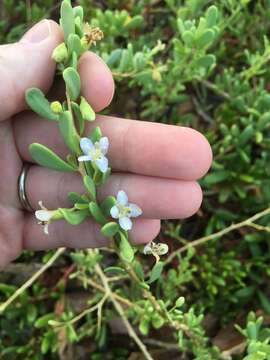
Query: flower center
point(95, 153)
point(123, 210)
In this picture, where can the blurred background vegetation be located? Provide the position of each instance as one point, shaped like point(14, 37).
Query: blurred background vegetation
point(175, 62)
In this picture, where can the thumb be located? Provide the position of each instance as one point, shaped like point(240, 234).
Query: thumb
point(25, 64)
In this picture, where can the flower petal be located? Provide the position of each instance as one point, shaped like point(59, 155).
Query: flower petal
point(104, 145)
point(46, 229)
point(147, 250)
point(135, 211)
point(125, 223)
point(86, 145)
point(102, 163)
point(85, 158)
point(122, 197)
point(114, 212)
point(43, 215)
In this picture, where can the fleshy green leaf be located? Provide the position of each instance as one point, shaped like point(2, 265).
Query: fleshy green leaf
point(115, 269)
point(126, 250)
point(90, 186)
point(74, 198)
point(211, 16)
point(78, 117)
point(246, 135)
point(47, 158)
point(156, 272)
point(144, 326)
point(265, 303)
point(97, 213)
point(74, 61)
point(74, 44)
point(74, 217)
point(67, 19)
point(80, 206)
point(86, 110)
point(73, 82)
point(107, 204)
point(114, 57)
point(133, 23)
point(157, 321)
point(37, 101)
point(206, 38)
point(78, 12)
point(252, 331)
point(216, 177)
point(43, 320)
point(188, 38)
point(68, 132)
point(110, 229)
point(206, 61)
point(137, 267)
point(96, 134)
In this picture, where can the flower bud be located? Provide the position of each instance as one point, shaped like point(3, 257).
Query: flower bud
point(156, 75)
point(60, 53)
point(56, 107)
point(180, 301)
point(85, 43)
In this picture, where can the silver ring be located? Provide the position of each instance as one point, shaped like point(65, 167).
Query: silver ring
point(21, 188)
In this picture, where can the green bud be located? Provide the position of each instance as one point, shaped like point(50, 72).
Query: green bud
point(56, 107)
point(86, 110)
point(85, 43)
point(60, 53)
point(180, 301)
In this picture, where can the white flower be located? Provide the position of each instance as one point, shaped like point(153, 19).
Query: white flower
point(123, 210)
point(155, 249)
point(44, 216)
point(95, 152)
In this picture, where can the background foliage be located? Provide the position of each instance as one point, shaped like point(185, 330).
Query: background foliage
point(176, 62)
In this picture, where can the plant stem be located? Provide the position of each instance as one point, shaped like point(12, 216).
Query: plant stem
point(121, 312)
point(204, 239)
point(32, 279)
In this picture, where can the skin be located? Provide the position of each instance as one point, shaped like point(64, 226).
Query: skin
point(157, 165)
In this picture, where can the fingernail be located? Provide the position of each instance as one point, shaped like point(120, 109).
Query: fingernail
point(38, 33)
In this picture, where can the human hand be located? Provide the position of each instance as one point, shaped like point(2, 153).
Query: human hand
point(157, 165)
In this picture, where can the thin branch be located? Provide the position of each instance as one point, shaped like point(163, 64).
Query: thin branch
point(116, 296)
point(203, 240)
point(162, 344)
point(121, 312)
point(32, 279)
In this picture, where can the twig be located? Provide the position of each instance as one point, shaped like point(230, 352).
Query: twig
point(79, 316)
point(260, 227)
point(214, 88)
point(32, 279)
point(116, 296)
point(202, 240)
point(161, 344)
point(121, 312)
